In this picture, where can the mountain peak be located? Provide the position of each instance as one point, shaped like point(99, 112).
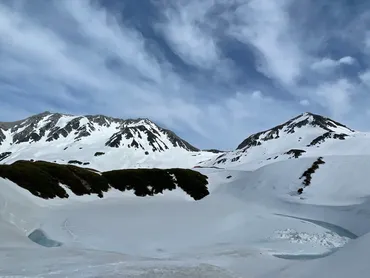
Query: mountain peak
point(301, 122)
point(315, 120)
point(47, 127)
point(302, 135)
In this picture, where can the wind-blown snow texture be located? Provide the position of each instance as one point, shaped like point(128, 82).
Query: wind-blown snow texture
point(253, 223)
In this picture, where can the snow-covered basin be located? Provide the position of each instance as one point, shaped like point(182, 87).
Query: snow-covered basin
point(173, 224)
point(248, 217)
point(169, 228)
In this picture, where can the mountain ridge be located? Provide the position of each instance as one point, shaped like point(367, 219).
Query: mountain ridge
point(299, 121)
point(25, 129)
point(307, 134)
point(136, 143)
point(100, 141)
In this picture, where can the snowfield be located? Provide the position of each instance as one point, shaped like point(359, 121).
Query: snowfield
point(253, 224)
point(292, 201)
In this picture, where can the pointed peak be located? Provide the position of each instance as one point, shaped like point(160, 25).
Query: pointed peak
point(315, 120)
point(303, 121)
point(306, 114)
point(42, 114)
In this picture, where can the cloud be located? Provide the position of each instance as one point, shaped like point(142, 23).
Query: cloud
point(215, 70)
point(347, 60)
point(294, 52)
point(365, 78)
point(304, 102)
point(266, 26)
point(82, 63)
point(330, 64)
point(337, 96)
point(181, 27)
point(98, 65)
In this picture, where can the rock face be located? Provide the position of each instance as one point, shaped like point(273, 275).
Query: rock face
point(2, 136)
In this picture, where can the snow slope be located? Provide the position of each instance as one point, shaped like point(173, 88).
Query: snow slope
point(307, 135)
point(98, 142)
point(253, 224)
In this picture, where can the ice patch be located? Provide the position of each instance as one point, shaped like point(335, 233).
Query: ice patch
point(38, 236)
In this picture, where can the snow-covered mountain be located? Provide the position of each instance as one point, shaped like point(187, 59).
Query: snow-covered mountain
point(256, 222)
point(97, 141)
point(106, 143)
point(307, 135)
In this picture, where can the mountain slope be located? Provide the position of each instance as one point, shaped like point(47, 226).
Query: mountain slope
point(99, 141)
point(49, 127)
point(305, 135)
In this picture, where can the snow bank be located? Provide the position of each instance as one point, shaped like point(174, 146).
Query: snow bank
point(342, 180)
point(350, 261)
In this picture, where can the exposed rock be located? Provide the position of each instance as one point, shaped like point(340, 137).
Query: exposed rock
point(325, 136)
point(4, 155)
point(131, 133)
point(44, 179)
point(307, 175)
point(295, 152)
point(2, 137)
point(75, 162)
point(213, 151)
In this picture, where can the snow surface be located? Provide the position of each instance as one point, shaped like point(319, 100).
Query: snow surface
point(111, 160)
point(275, 150)
point(251, 225)
point(65, 149)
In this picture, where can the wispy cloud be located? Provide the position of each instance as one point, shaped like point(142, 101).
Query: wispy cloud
point(295, 58)
point(238, 58)
point(267, 26)
point(337, 96)
point(326, 64)
point(181, 25)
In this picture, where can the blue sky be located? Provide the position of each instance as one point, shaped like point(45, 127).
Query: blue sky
point(214, 71)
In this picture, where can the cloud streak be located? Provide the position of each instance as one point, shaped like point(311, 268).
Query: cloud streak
point(235, 61)
point(181, 27)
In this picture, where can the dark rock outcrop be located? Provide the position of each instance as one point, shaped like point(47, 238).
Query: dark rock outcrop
point(307, 175)
point(44, 179)
point(295, 152)
point(4, 155)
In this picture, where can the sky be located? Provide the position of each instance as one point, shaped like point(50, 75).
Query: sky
point(213, 71)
